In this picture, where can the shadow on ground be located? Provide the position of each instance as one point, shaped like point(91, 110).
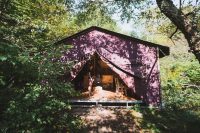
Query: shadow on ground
point(179, 121)
point(102, 119)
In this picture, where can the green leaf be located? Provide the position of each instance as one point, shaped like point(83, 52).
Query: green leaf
point(3, 58)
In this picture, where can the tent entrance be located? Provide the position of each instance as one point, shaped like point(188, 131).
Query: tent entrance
point(107, 84)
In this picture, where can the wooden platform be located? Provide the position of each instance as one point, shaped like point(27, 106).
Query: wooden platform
point(103, 98)
point(103, 95)
point(117, 103)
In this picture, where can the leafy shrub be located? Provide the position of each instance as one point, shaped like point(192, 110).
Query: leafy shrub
point(37, 98)
point(136, 107)
point(181, 89)
point(40, 109)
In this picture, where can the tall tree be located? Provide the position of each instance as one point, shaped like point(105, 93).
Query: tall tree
point(183, 21)
point(33, 94)
point(93, 13)
point(186, 22)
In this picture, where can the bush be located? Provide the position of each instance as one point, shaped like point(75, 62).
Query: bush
point(40, 109)
point(34, 95)
point(181, 87)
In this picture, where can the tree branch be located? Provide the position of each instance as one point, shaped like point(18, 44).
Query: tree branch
point(183, 23)
point(173, 33)
point(180, 5)
point(191, 85)
point(173, 41)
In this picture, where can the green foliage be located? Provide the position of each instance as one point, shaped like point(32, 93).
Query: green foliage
point(94, 13)
point(33, 93)
point(181, 87)
point(136, 107)
point(39, 108)
point(159, 121)
point(193, 74)
point(39, 104)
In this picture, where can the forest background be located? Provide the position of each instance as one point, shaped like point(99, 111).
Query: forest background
point(33, 97)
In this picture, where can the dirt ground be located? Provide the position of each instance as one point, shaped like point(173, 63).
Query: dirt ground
point(100, 119)
point(106, 119)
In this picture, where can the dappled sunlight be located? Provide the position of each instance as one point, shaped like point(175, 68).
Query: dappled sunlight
point(138, 119)
point(57, 76)
point(101, 119)
point(103, 95)
point(135, 62)
point(155, 120)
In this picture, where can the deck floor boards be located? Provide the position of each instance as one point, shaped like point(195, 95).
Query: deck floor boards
point(103, 95)
point(104, 98)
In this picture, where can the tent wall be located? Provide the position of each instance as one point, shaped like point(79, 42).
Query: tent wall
point(135, 63)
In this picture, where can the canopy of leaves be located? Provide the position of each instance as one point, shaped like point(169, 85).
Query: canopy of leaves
point(33, 95)
point(33, 91)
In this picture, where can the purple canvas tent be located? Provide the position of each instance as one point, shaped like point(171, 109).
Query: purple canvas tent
point(135, 61)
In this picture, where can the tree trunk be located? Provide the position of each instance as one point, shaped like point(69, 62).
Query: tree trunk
point(183, 23)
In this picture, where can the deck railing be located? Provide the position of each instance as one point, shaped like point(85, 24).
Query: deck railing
point(112, 103)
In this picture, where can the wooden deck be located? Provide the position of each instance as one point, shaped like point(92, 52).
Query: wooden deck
point(103, 98)
point(86, 103)
point(103, 95)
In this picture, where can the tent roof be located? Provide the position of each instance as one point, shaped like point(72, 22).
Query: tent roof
point(163, 50)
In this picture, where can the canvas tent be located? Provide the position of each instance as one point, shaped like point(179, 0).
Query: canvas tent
point(133, 61)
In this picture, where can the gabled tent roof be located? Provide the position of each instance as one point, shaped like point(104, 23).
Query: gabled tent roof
point(163, 50)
